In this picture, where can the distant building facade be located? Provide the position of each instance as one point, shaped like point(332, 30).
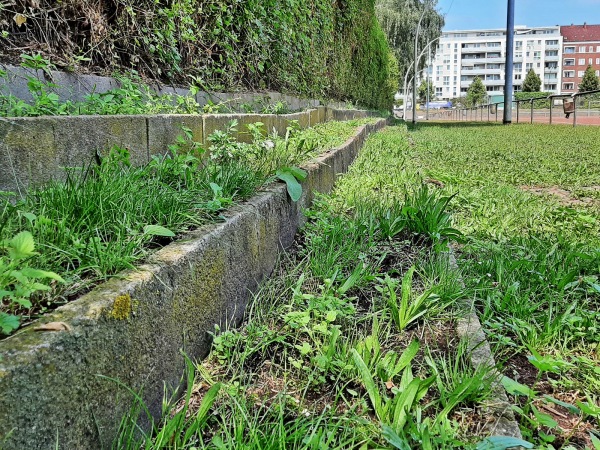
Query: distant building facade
point(580, 49)
point(463, 55)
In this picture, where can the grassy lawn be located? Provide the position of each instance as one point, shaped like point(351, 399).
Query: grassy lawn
point(528, 200)
point(352, 343)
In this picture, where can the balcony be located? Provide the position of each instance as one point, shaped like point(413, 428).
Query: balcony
point(551, 69)
point(472, 50)
point(552, 57)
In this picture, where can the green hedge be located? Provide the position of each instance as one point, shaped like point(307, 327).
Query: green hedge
point(538, 104)
point(317, 48)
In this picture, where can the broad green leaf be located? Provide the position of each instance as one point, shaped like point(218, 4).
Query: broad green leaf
point(571, 408)
point(37, 273)
point(393, 439)
point(369, 383)
point(157, 230)
point(298, 173)
point(502, 443)
point(8, 323)
point(543, 418)
point(21, 246)
point(515, 388)
point(595, 441)
point(293, 187)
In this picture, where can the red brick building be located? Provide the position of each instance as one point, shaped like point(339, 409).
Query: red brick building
point(581, 48)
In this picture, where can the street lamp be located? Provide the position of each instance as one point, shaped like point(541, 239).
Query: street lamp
point(508, 66)
point(408, 72)
point(414, 93)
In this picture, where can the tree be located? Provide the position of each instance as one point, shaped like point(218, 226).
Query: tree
point(422, 92)
point(399, 19)
point(532, 82)
point(476, 94)
point(590, 81)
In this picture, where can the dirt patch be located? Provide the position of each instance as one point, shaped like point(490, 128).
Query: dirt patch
point(562, 195)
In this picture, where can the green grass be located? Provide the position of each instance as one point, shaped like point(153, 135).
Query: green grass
point(107, 218)
point(351, 343)
point(531, 259)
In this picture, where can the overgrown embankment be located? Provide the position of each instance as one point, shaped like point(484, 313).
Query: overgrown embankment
point(315, 48)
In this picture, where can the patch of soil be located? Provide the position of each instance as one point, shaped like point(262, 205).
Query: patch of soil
point(562, 195)
point(520, 369)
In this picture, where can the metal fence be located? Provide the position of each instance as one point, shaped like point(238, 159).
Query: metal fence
point(583, 108)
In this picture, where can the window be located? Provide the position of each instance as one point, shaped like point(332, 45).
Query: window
point(598, 49)
point(518, 45)
point(528, 66)
point(518, 54)
point(569, 62)
point(591, 61)
point(581, 61)
point(518, 67)
point(582, 49)
point(554, 42)
point(568, 86)
point(598, 73)
point(598, 60)
point(537, 55)
point(438, 91)
point(539, 65)
point(446, 81)
point(580, 73)
point(517, 76)
point(568, 74)
point(569, 49)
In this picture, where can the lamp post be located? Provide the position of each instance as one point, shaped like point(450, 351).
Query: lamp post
point(406, 81)
point(508, 74)
point(414, 93)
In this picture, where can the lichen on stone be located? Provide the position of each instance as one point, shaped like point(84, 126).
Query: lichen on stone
point(122, 307)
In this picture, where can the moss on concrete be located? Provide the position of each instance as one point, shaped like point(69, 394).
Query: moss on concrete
point(122, 307)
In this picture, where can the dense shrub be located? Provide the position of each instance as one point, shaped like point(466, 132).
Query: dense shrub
point(318, 48)
point(537, 104)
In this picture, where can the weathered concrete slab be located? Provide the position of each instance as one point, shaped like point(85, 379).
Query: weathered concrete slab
point(78, 138)
point(59, 387)
point(27, 152)
point(163, 131)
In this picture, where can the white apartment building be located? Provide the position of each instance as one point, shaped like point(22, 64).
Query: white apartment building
point(463, 55)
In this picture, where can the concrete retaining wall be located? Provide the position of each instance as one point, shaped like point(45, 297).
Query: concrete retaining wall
point(53, 384)
point(34, 150)
point(74, 87)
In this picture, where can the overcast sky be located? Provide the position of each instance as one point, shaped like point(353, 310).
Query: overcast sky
point(474, 14)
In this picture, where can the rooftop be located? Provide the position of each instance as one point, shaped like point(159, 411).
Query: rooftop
point(580, 33)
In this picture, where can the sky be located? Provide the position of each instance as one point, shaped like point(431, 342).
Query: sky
point(475, 14)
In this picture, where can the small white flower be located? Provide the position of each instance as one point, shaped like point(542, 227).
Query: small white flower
point(269, 144)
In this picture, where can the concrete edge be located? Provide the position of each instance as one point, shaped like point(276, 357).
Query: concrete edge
point(498, 407)
point(133, 328)
point(35, 150)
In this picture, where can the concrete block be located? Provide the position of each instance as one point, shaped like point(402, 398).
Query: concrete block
point(322, 114)
point(28, 153)
point(16, 80)
point(163, 131)
point(313, 117)
point(77, 138)
point(75, 87)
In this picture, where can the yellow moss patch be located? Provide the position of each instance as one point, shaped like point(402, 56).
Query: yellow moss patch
point(122, 307)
